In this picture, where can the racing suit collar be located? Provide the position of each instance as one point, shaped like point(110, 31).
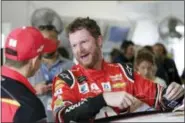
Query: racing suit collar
point(94, 71)
point(10, 73)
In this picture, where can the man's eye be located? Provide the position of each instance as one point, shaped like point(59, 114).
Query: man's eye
point(74, 45)
point(84, 42)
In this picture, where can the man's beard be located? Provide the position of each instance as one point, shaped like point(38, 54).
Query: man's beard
point(94, 59)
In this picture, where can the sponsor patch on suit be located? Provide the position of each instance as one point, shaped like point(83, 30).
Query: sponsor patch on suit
point(83, 88)
point(106, 86)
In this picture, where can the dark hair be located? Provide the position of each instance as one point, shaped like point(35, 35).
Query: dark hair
point(16, 64)
point(84, 23)
point(144, 55)
point(163, 47)
point(115, 52)
point(149, 48)
point(63, 52)
point(126, 44)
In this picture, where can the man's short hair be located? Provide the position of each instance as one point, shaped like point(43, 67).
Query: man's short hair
point(126, 44)
point(14, 63)
point(84, 23)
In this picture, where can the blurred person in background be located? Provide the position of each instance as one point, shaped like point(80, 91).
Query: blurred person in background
point(160, 69)
point(167, 63)
point(63, 52)
point(127, 53)
point(114, 54)
point(95, 89)
point(145, 65)
point(23, 52)
point(48, 22)
point(149, 48)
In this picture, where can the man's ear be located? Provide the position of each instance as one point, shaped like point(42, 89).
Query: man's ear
point(100, 41)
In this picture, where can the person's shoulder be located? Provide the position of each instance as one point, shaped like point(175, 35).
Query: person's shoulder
point(31, 108)
point(124, 66)
point(68, 76)
point(169, 60)
point(118, 58)
point(112, 65)
point(126, 69)
point(12, 85)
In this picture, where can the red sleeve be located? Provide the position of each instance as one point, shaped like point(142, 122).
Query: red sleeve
point(62, 95)
point(146, 90)
point(66, 105)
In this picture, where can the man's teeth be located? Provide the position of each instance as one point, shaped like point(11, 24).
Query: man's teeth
point(84, 56)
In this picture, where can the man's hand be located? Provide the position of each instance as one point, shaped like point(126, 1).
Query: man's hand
point(42, 88)
point(174, 91)
point(118, 99)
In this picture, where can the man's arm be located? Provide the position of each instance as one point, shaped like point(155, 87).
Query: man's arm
point(66, 105)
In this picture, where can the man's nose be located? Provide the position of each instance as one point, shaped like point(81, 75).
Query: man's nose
point(80, 48)
point(146, 72)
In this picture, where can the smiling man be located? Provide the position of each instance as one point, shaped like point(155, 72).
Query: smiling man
point(96, 89)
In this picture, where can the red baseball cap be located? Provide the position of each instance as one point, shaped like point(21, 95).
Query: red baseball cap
point(27, 42)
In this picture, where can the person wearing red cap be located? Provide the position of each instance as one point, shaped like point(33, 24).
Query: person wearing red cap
point(52, 64)
point(24, 48)
point(95, 89)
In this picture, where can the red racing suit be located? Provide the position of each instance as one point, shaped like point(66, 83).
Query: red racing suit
point(77, 93)
point(19, 104)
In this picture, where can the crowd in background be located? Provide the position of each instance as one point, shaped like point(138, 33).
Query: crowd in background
point(156, 56)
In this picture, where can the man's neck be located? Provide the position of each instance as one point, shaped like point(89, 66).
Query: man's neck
point(22, 71)
point(98, 65)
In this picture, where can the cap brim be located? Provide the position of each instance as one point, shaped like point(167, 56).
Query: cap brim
point(49, 46)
